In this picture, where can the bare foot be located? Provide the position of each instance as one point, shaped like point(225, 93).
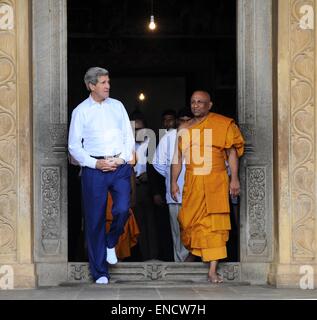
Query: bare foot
point(215, 278)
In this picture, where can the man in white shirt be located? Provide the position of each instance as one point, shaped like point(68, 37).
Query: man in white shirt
point(102, 142)
point(162, 163)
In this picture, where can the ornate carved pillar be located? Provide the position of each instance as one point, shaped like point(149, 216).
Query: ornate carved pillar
point(255, 109)
point(296, 165)
point(15, 142)
point(50, 139)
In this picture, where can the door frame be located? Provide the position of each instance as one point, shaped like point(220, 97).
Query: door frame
point(255, 114)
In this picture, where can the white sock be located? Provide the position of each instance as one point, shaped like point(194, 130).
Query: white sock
point(102, 280)
point(111, 256)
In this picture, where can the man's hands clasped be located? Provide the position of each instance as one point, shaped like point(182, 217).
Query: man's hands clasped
point(110, 164)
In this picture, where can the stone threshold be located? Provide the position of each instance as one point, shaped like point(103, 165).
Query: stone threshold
point(155, 271)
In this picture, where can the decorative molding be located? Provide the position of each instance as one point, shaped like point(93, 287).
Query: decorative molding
point(231, 271)
point(51, 212)
point(7, 64)
point(79, 272)
point(7, 236)
point(8, 129)
point(156, 271)
point(302, 131)
point(256, 210)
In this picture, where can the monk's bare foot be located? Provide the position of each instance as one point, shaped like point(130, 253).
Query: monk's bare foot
point(214, 278)
point(190, 258)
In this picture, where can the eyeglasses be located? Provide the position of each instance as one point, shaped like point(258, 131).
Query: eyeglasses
point(199, 102)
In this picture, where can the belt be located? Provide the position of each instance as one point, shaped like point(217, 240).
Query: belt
point(106, 157)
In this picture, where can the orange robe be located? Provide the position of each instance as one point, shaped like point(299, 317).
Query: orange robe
point(205, 214)
point(129, 237)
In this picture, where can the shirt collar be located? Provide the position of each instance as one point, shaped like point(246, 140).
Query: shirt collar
point(93, 102)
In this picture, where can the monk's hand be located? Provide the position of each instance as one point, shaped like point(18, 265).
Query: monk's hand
point(106, 165)
point(175, 191)
point(234, 187)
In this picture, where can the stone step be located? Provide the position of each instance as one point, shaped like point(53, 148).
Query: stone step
point(155, 270)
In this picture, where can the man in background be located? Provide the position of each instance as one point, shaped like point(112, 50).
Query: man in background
point(162, 163)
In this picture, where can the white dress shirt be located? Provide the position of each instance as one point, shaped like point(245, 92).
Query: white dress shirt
point(100, 129)
point(162, 161)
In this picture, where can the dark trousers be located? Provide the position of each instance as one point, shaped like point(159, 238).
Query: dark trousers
point(144, 215)
point(95, 187)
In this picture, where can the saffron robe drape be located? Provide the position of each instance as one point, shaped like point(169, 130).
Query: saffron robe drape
point(205, 214)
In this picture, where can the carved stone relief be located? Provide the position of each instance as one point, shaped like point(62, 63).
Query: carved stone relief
point(50, 187)
point(8, 129)
point(231, 272)
point(79, 272)
point(256, 211)
point(302, 129)
point(255, 115)
point(156, 271)
point(50, 130)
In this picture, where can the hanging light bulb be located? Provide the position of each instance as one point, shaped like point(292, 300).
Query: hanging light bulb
point(141, 96)
point(152, 25)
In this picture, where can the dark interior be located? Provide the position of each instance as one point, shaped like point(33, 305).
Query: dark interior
point(193, 47)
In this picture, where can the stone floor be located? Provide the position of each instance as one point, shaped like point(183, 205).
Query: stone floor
point(158, 291)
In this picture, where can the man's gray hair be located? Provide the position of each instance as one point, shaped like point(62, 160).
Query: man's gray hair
point(93, 74)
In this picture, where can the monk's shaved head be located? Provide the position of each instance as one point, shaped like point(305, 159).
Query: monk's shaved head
point(202, 92)
point(200, 103)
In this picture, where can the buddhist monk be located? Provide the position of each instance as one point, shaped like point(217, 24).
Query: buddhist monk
point(205, 142)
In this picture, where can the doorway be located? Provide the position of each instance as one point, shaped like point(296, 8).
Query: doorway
point(52, 105)
point(193, 47)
